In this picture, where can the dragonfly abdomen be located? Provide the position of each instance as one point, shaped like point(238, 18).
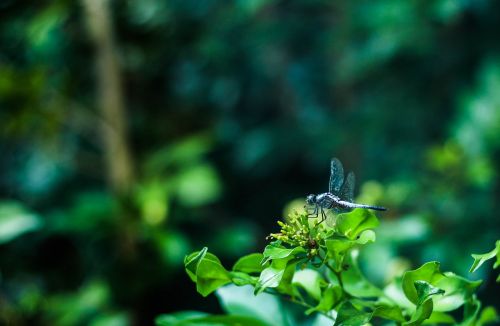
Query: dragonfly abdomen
point(354, 205)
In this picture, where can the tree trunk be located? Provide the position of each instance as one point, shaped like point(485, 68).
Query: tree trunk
point(110, 97)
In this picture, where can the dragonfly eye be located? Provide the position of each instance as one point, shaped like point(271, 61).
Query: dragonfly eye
point(311, 199)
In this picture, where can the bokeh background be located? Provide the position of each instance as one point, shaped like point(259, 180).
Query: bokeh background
point(134, 132)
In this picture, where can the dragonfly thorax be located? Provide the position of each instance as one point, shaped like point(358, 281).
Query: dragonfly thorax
point(326, 200)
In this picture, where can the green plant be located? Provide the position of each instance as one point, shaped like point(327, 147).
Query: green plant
point(479, 259)
point(314, 266)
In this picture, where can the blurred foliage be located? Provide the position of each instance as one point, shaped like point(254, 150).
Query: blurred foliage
point(234, 108)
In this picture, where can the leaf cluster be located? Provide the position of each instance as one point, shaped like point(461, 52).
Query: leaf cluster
point(314, 266)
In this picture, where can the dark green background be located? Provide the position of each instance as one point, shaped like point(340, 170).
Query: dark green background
point(234, 109)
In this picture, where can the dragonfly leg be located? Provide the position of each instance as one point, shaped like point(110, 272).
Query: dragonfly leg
point(314, 212)
point(323, 216)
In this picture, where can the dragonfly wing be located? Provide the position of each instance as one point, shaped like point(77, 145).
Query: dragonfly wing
point(347, 192)
point(336, 176)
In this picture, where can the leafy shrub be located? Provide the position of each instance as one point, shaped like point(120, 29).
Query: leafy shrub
point(314, 265)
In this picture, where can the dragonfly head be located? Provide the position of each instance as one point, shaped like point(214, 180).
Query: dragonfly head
point(311, 199)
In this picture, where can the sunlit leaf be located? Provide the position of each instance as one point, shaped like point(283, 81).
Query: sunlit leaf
point(271, 276)
point(310, 281)
point(438, 317)
point(394, 292)
point(348, 315)
point(457, 289)
point(283, 263)
point(425, 290)
point(422, 313)
point(178, 317)
point(479, 259)
point(330, 296)
point(194, 319)
point(249, 264)
point(241, 301)
point(240, 278)
point(337, 248)
point(353, 223)
point(389, 312)
point(275, 251)
point(191, 262)
point(488, 315)
point(111, 319)
point(207, 271)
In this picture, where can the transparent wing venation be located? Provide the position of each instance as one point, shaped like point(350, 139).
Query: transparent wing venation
point(347, 192)
point(336, 176)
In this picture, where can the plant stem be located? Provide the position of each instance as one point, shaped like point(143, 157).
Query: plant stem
point(337, 274)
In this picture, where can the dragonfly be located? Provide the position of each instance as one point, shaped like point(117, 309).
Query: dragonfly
point(339, 196)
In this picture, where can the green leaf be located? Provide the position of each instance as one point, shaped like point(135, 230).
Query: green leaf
point(479, 259)
point(240, 278)
point(457, 289)
point(353, 223)
point(215, 320)
point(348, 315)
point(389, 312)
point(337, 248)
point(428, 272)
point(394, 292)
point(471, 312)
point(438, 317)
point(425, 290)
point(276, 251)
point(191, 262)
point(271, 277)
point(176, 318)
point(241, 301)
point(249, 264)
point(310, 281)
point(330, 296)
point(285, 286)
point(366, 236)
point(488, 315)
point(211, 276)
point(15, 220)
point(230, 320)
point(422, 313)
point(283, 261)
point(355, 283)
point(473, 316)
point(207, 271)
